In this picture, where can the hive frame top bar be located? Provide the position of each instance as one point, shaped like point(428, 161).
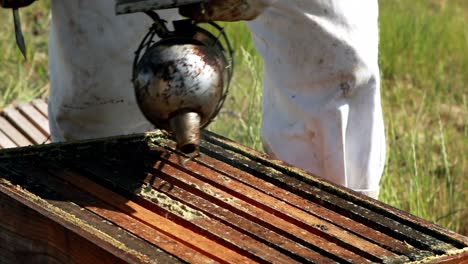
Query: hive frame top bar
point(132, 6)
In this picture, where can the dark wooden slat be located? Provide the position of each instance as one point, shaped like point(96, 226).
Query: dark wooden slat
point(256, 231)
point(13, 133)
point(299, 218)
point(340, 254)
point(398, 215)
point(5, 141)
point(48, 237)
point(134, 234)
point(41, 105)
point(331, 201)
point(239, 241)
point(37, 118)
point(160, 223)
point(215, 212)
point(261, 216)
point(108, 226)
point(331, 217)
point(127, 222)
point(291, 214)
point(24, 125)
point(158, 239)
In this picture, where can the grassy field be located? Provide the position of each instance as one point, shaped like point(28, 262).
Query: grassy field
point(424, 64)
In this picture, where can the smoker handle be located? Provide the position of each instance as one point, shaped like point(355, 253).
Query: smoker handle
point(132, 6)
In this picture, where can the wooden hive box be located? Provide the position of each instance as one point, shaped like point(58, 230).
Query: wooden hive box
point(135, 199)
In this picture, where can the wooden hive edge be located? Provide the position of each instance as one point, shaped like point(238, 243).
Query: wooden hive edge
point(459, 256)
point(73, 225)
point(159, 139)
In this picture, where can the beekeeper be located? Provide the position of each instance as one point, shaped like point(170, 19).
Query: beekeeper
point(321, 95)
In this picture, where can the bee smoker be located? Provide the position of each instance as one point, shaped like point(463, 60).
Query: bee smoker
point(181, 77)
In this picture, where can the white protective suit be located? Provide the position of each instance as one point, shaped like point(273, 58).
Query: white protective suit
point(321, 97)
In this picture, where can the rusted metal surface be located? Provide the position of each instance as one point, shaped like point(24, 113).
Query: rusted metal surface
point(181, 77)
point(186, 129)
point(136, 199)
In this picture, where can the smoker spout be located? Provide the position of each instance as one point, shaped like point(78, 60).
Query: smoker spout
point(186, 128)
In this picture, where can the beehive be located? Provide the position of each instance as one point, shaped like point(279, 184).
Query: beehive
point(135, 199)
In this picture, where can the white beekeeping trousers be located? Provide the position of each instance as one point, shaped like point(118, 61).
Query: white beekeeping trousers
point(321, 97)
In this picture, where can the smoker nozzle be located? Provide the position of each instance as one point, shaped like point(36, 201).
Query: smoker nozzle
point(186, 128)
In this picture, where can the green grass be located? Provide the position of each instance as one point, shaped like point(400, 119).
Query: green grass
point(20, 80)
point(424, 64)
